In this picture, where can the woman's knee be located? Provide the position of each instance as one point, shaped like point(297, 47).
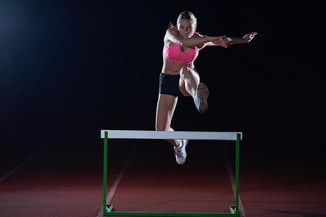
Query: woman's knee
point(185, 72)
point(161, 127)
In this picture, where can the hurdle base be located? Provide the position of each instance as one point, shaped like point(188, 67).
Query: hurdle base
point(109, 212)
point(108, 208)
point(233, 209)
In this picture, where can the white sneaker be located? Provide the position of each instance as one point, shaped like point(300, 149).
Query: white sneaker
point(180, 152)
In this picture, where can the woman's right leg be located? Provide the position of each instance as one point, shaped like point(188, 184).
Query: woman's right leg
point(164, 113)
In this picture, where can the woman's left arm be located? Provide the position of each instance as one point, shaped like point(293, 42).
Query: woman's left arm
point(245, 39)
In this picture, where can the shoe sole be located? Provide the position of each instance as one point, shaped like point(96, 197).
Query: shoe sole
point(203, 93)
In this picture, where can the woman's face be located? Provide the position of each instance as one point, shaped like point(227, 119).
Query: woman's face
point(186, 28)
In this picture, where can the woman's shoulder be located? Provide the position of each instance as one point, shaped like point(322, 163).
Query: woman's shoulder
point(172, 29)
point(171, 32)
point(198, 35)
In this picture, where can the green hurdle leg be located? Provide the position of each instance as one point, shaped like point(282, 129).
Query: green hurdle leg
point(105, 173)
point(237, 173)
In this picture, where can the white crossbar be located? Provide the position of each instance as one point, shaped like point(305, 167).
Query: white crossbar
point(192, 135)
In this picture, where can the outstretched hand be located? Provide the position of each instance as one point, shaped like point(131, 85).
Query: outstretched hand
point(249, 36)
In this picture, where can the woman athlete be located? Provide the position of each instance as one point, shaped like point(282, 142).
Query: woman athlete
point(179, 76)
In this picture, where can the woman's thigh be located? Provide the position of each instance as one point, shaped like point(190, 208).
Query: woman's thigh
point(190, 76)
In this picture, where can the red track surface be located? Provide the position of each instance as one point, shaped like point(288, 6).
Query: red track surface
point(67, 182)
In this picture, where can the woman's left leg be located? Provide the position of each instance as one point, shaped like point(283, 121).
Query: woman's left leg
point(190, 85)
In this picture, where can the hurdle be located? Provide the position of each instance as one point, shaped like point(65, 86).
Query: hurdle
point(163, 135)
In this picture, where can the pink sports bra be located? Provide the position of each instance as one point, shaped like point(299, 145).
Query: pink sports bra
point(175, 54)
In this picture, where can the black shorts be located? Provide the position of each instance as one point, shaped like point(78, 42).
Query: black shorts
point(169, 84)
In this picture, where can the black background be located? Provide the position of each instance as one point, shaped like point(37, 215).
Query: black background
point(71, 68)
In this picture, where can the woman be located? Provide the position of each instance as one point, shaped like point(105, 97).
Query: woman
point(179, 77)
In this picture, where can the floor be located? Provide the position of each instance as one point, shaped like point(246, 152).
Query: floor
point(143, 176)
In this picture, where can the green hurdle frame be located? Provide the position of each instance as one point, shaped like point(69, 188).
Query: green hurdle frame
point(138, 134)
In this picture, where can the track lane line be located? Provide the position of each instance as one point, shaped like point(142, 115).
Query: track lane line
point(115, 185)
point(22, 164)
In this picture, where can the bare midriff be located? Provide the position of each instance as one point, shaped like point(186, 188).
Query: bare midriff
point(173, 68)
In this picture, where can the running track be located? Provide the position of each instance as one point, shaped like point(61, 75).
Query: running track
point(67, 181)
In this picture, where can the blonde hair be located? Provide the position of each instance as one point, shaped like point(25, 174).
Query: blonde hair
point(187, 15)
